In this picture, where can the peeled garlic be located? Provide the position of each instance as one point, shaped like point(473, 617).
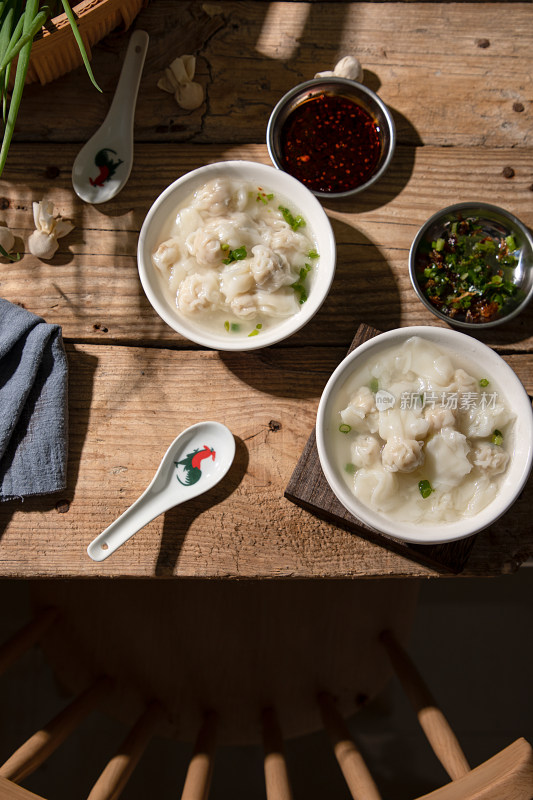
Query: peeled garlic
point(348, 67)
point(178, 80)
point(7, 240)
point(49, 228)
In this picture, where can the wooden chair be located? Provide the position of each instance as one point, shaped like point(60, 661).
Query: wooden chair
point(200, 661)
point(506, 776)
point(109, 785)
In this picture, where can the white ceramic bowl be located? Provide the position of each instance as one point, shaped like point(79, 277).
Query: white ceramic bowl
point(271, 180)
point(460, 346)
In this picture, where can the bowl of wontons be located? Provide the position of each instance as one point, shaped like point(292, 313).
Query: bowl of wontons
point(236, 255)
point(425, 434)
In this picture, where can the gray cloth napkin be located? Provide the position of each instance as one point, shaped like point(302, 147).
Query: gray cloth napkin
point(33, 405)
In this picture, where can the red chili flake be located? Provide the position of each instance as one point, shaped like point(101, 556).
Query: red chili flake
point(330, 144)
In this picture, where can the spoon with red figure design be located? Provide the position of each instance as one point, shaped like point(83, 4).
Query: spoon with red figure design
point(195, 462)
point(103, 165)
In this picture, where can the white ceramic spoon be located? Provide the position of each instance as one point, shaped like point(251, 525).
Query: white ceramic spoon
point(195, 462)
point(103, 165)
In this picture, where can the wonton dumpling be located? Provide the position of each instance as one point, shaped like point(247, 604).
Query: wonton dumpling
point(166, 255)
point(287, 241)
point(214, 197)
point(198, 293)
point(463, 382)
point(365, 450)
point(376, 487)
point(236, 279)
point(490, 458)
point(271, 270)
point(244, 305)
point(188, 220)
point(447, 459)
point(439, 417)
point(477, 422)
point(402, 455)
point(281, 303)
point(425, 359)
point(361, 412)
point(204, 245)
point(402, 423)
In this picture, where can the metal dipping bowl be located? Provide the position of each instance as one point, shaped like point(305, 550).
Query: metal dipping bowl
point(359, 94)
point(496, 222)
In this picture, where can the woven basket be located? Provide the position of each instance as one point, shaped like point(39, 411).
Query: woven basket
point(55, 52)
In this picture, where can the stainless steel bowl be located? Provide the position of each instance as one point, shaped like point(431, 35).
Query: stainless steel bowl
point(359, 94)
point(495, 221)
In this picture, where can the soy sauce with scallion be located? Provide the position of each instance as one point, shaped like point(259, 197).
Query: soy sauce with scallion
point(467, 273)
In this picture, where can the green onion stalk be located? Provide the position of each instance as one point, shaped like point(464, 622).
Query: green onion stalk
point(20, 21)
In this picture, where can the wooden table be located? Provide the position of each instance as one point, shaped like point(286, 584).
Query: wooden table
point(457, 78)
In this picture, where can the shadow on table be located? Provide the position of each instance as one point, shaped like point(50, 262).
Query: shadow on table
point(178, 520)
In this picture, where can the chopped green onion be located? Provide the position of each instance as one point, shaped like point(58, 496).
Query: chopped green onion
point(424, 487)
point(374, 385)
point(497, 438)
point(510, 242)
point(345, 428)
point(294, 222)
point(256, 329)
point(350, 468)
point(224, 246)
point(439, 245)
point(484, 382)
point(235, 255)
point(313, 254)
point(299, 286)
point(232, 326)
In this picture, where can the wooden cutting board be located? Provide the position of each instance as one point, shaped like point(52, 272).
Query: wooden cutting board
point(309, 489)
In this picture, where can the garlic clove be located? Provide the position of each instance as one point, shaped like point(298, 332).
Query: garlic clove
point(42, 245)
point(183, 68)
point(190, 95)
point(167, 83)
point(62, 227)
point(349, 67)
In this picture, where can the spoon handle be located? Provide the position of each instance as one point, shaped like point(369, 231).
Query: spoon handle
point(139, 514)
point(122, 110)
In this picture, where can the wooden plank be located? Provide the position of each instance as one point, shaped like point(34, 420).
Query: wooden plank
point(92, 289)
point(451, 75)
point(128, 403)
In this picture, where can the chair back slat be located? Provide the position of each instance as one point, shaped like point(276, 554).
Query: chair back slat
point(436, 727)
point(506, 776)
point(10, 791)
point(200, 771)
point(30, 755)
point(25, 638)
point(117, 772)
point(277, 784)
point(355, 771)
